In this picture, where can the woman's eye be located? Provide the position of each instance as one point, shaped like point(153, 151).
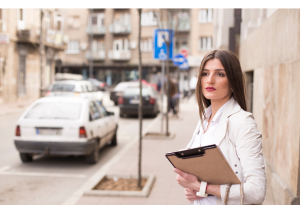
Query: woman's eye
point(204, 74)
point(221, 74)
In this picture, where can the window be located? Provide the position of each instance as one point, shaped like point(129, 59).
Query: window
point(94, 111)
point(148, 19)
point(205, 44)
point(122, 18)
point(63, 87)
point(180, 43)
point(58, 22)
point(47, 20)
point(97, 19)
point(2, 24)
point(21, 19)
point(103, 111)
point(205, 15)
point(22, 76)
point(121, 44)
point(55, 110)
point(73, 47)
point(98, 46)
point(146, 45)
point(73, 22)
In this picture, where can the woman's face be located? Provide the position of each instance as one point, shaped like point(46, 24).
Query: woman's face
point(214, 82)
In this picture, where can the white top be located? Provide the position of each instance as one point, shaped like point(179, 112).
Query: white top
point(204, 139)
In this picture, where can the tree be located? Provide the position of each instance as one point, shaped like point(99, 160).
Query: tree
point(140, 104)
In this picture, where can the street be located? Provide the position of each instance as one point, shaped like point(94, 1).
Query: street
point(47, 176)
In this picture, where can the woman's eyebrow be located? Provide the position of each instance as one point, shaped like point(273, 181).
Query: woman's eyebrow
point(220, 69)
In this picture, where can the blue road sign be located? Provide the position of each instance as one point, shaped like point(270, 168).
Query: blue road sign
point(184, 65)
point(160, 47)
point(179, 59)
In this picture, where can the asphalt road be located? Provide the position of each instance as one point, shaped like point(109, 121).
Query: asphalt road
point(51, 179)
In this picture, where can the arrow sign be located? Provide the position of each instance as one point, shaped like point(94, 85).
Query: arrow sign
point(179, 59)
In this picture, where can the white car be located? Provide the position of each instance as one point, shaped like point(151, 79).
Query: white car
point(65, 126)
point(78, 88)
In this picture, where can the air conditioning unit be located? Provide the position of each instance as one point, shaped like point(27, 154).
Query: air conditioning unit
point(24, 33)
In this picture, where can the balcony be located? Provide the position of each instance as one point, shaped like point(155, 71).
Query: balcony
point(117, 28)
point(96, 9)
point(183, 25)
point(119, 55)
point(96, 55)
point(96, 30)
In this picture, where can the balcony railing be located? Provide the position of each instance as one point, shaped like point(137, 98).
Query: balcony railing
point(117, 28)
point(119, 55)
point(96, 30)
point(95, 55)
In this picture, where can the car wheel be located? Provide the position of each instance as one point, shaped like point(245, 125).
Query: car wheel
point(114, 141)
point(25, 157)
point(93, 157)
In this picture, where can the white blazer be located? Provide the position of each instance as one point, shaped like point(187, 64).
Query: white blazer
point(240, 141)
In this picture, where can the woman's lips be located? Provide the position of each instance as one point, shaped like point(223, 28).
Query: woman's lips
point(210, 89)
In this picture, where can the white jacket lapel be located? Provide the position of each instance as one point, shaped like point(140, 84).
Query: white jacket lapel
point(231, 108)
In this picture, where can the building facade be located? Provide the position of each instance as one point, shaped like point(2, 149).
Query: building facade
point(107, 39)
point(20, 61)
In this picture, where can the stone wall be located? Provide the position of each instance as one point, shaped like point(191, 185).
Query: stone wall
point(272, 51)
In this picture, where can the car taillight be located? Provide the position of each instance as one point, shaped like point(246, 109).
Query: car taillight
point(101, 85)
point(152, 101)
point(48, 93)
point(120, 100)
point(77, 94)
point(82, 133)
point(18, 131)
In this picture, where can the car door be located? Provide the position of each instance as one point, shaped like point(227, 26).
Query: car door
point(97, 123)
point(109, 120)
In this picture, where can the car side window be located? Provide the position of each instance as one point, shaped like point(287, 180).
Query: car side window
point(83, 88)
point(95, 113)
point(103, 110)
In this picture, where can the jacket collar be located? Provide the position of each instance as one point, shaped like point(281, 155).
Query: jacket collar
point(231, 108)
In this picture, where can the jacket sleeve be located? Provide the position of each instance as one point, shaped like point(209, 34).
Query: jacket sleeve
point(248, 144)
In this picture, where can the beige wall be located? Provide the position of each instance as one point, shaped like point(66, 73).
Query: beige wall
point(272, 51)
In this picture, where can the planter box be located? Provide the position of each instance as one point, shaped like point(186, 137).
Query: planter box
point(144, 193)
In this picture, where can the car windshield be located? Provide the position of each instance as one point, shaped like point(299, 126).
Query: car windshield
point(133, 91)
point(55, 110)
point(63, 87)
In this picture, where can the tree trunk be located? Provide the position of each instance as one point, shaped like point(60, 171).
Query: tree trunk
point(140, 104)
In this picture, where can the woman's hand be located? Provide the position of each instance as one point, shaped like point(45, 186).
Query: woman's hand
point(191, 195)
point(186, 180)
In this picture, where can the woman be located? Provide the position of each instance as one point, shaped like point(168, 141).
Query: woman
point(225, 122)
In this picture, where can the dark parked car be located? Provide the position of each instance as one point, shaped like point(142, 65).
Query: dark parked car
point(119, 89)
point(129, 101)
point(98, 85)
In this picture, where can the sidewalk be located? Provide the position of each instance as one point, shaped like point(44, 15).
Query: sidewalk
point(8, 108)
point(165, 190)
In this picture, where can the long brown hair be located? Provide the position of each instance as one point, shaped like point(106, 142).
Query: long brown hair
point(234, 74)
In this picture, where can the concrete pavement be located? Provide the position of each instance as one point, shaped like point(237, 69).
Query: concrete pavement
point(165, 190)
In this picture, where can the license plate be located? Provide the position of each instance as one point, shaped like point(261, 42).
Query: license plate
point(134, 101)
point(48, 131)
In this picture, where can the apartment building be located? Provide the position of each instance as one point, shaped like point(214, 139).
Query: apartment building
point(20, 62)
point(107, 39)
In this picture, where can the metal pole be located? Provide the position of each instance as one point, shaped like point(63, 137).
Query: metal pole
point(168, 88)
point(91, 50)
point(140, 104)
point(41, 53)
point(162, 94)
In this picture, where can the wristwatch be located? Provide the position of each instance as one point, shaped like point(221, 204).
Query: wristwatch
point(202, 190)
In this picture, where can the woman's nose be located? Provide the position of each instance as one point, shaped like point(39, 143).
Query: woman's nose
point(211, 79)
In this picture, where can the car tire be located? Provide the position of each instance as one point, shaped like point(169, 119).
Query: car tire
point(94, 156)
point(26, 157)
point(114, 140)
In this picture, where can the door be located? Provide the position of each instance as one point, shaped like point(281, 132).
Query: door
point(97, 123)
point(109, 121)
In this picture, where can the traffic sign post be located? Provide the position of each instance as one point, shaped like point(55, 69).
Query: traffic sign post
point(160, 46)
